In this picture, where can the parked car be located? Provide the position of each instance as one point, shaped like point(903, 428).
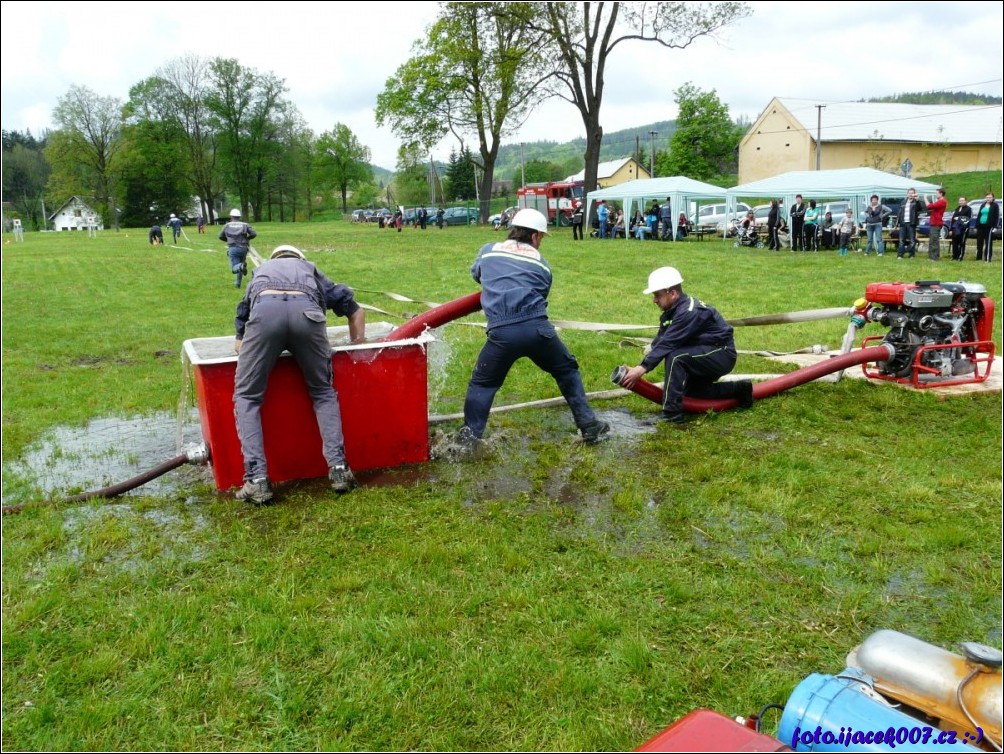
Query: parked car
point(496, 219)
point(382, 213)
point(713, 215)
point(460, 216)
point(361, 215)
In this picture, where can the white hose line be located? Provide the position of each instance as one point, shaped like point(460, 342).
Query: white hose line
point(559, 401)
point(599, 395)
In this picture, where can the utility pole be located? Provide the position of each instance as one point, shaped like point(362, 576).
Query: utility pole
point(819, 131)
point(651, 171)
point(522, 167)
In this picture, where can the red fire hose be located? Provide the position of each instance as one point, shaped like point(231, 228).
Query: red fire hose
point(437, 317)
point(770, 387)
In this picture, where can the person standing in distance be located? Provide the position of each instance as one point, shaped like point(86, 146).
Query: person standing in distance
point(797, 224)
point(578, 216)
point(602, 215)
point(515, 281)
point(936, 216)
point(666, 218)
point(986, 216)
point(961, 220)
point(283, 309)
point(237, 235)
point(908, 217)
point(875, 215)
point(696, 344)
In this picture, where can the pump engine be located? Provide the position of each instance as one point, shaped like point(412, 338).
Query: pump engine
point(941, 332)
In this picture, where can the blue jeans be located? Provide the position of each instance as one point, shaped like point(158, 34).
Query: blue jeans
point(907, 240)
point(236, 255)
point(537, 340)
point(603, 228)
point(874, 239)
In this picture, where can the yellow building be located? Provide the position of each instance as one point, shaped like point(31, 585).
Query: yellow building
point(614, 173)
point(917, 140)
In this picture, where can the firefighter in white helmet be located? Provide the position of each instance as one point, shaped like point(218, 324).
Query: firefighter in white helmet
point(237, 234)
point(696, 344)
point(284, 309)
point(174, 222)
point(515, 281)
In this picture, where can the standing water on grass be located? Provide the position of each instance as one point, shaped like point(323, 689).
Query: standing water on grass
point(68, 460)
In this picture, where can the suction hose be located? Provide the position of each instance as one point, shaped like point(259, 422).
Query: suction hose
point(197, 455)
point(770, 387)
point(437, 317)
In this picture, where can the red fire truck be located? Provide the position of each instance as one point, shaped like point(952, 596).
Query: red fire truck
point(554, 199)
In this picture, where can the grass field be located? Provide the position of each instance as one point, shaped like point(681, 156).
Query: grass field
point(551, 596)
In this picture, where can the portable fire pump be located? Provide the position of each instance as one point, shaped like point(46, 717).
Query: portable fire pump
point(897, 693)
point(941, 332)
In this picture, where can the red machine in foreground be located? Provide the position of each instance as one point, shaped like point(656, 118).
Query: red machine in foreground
point(941, 332)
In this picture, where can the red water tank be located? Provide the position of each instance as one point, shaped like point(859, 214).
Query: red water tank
point(704, 730)
point(382, 390)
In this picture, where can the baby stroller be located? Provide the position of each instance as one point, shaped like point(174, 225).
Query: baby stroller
point(747, 236)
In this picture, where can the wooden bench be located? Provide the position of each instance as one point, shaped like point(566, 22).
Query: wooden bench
point(703, 230)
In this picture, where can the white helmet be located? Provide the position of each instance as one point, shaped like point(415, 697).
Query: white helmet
point(172, 215)
point(663, 278)
point(530, 218)
point(286, 251)
point(235, 212)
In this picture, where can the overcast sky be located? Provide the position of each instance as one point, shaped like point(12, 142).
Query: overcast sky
point(336, 57)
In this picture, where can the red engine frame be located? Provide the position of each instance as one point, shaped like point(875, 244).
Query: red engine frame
point(981, 350)
point(983, 353)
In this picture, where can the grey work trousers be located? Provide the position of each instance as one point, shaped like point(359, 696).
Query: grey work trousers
point(285, 322)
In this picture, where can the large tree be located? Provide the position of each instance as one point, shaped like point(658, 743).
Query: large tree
point(345, 161)
point(461, 176)
point(706, 141)
point(584, 35)
point(476, 75)
point(25, 173)
point(84, 148)
point(249, 109)
point(411, 181)
point(154, 158)
point(186, 83)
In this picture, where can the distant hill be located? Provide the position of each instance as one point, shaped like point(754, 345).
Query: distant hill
point(381, 175)
point(939, 98)
point(616, 144)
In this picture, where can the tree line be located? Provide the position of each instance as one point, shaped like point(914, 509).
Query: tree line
point(218, 130)
point(208, 128)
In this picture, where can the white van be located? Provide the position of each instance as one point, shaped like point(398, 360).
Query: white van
point(713, 215)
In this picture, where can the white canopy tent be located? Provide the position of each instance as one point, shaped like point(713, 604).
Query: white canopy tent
point(853, 184)
point(680, 190)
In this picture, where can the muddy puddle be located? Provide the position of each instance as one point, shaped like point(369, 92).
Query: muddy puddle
point(68, 460)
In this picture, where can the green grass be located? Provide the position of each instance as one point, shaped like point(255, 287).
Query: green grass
point(551, 596)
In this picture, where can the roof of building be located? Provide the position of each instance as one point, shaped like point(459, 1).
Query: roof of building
point(73, 199)
point(929, 124)
point(603, 170)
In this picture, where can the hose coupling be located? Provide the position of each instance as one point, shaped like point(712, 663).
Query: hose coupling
point(197, 454)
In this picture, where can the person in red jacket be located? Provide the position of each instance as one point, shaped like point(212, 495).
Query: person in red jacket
point(936, 214)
